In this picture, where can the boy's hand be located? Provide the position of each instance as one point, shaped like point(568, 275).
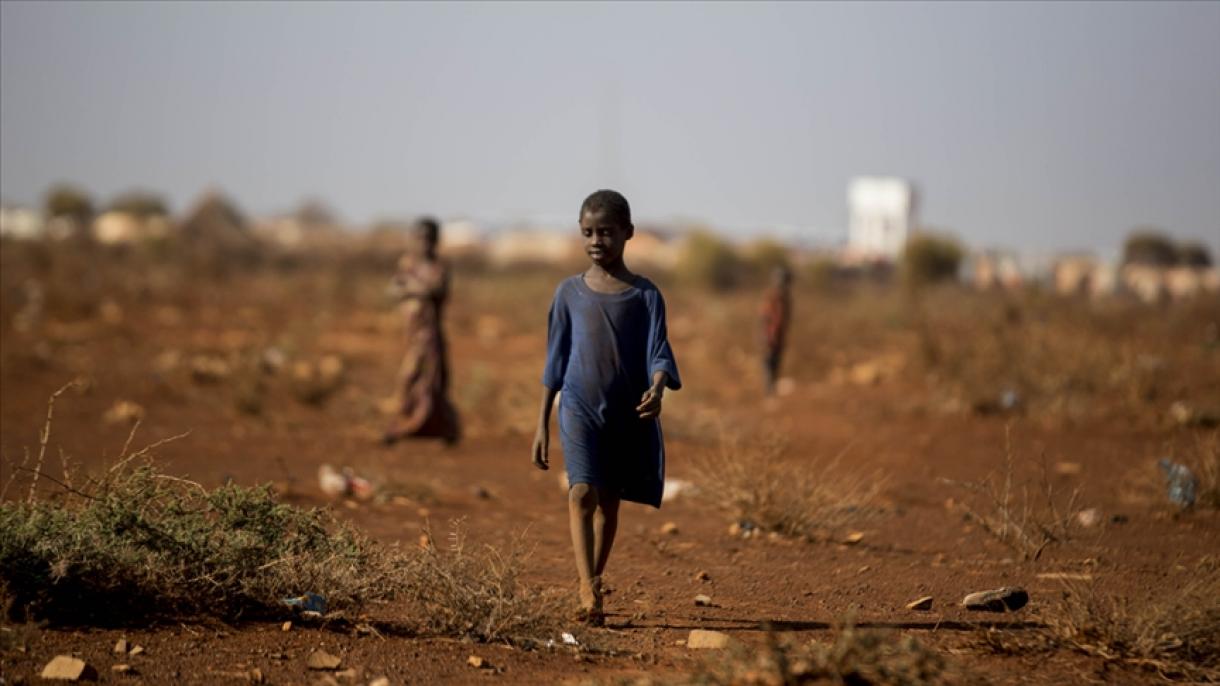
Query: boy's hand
point(650, 404)
point(542, 449)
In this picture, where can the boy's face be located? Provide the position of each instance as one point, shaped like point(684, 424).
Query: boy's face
point(605, 238)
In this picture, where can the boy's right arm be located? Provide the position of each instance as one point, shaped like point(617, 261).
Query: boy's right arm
point(542, 437)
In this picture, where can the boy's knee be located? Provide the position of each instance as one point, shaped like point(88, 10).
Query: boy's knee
point(583, 495)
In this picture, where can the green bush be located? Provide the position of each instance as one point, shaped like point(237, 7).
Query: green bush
point(930, 258)
point(147, 545)
point(709, 261)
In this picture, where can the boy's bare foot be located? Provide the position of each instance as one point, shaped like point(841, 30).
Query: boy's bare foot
point(590, 611)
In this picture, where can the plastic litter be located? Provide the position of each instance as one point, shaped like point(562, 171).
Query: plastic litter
point(310, 602)
point(1182, 483)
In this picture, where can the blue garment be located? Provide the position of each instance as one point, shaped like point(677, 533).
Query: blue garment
point(602, 350)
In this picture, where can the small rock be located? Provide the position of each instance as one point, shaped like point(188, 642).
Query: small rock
point(669, 528)
point(380, 681)
point(854, 537)
point(425, 542)
point(1065, 576)
point(349, 673)
point(735, 530)
point(703, 601)
point(322, 660)
point(702, 639)
point(1007, 599)
point(68, 668)
point(1067, 468)
point(256, 676)
point(702, 575)
point(122, 669)
point(478, 662)
point(136, 650)
point(286, 626)
point(481, 493)
point(1088, 518)
point(123, 412)
point(921, 604)
point(120, 646)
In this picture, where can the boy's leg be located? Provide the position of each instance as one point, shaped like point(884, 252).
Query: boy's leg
point(605, 525)
point(582, 503)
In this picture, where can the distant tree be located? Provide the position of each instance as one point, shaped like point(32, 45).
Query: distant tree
point(1194, 254)
point(315, 213)
point(141, 204)
point(1150, 246)
point(67, 201)
point(764, 255)
point(930, 258)
point(710, 261)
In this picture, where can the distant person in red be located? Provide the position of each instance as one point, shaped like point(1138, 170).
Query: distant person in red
point(422, 285)
point(776, 313)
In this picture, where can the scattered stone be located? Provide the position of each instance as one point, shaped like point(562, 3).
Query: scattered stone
point(735, 530)
point(1088, 518)
point(1119, 519)
point(481, 493)
point(349, 673)
point(68, 668)
point(669, 528)
point(286, 626)
point(256, 676)
point(322, 660)
point(674, 488)
point(380, 681)
point(702, 600)
point(854, 537)
point(1006, 599)
point(703, 639)
point(702, 575)
point(136, 650)
point(122, 669)
point(478, 662)
point(425, 542)
point(1067, 468)
point(123, 412)
point(209, 369)
point(120, 646)
point(921, 604)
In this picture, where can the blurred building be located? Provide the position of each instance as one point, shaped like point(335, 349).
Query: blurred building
point(882, 215)
point(993, 269)
point(21, 223)
point(118, 227)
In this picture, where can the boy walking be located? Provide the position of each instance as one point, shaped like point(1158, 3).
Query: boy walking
point(609, 354)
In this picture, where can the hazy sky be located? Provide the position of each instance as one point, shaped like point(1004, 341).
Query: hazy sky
point(1037, 126)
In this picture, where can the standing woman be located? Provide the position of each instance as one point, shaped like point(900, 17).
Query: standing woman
point(422, 285)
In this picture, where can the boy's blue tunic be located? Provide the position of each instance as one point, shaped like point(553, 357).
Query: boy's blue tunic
point(602, 350)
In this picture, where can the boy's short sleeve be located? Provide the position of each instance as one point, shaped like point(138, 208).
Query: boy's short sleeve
point(661, 356)
point(558, 342)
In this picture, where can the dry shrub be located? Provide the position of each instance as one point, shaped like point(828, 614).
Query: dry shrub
point(1176, 633)
point(854, 657)
point(811, 498)
point(1025, 516)
point(476, 591)
point(145, 545)
point(1205, 463)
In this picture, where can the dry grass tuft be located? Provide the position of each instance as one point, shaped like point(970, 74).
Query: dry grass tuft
point(476, 591)
point(1026, 517)
point(853, 657)
point(1205, 463)
point(1176, 633)
point(809, 498)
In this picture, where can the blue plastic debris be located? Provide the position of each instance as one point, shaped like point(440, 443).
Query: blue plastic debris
point(310, 602)
point(1181, 481)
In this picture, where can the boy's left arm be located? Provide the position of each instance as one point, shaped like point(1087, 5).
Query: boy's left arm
point(650, 404)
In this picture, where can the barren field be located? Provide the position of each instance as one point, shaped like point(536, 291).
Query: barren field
point(929, 444)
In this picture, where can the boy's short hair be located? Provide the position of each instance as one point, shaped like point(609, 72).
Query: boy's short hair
point(429, 228)
point(612, 203)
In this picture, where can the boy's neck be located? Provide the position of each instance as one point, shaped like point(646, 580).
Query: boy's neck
point(617, 271)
